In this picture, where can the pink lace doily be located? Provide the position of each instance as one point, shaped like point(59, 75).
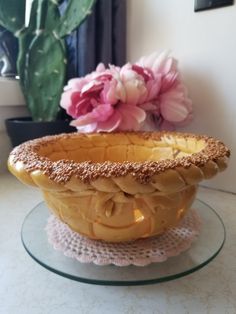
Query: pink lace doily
point(140, 252)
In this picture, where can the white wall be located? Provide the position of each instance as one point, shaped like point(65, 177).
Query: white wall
point(11, 105)
point(205, 45)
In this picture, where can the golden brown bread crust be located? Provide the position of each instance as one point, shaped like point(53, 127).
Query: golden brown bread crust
point(119, 186)
point(28, 157)
point(115, 217)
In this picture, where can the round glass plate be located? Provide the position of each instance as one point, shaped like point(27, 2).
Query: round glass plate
point(202, 251)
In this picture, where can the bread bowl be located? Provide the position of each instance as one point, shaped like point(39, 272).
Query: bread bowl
point(119, 186)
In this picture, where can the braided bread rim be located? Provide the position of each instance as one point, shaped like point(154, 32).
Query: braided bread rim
point(25, 159)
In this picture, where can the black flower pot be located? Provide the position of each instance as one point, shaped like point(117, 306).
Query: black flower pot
point(23, 129)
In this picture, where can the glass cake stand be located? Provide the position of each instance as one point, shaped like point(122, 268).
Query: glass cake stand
point(202, 251)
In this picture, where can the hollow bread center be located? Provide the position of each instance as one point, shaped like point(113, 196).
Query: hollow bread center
point(119, 148)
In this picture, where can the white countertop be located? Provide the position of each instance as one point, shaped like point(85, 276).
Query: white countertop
point(28, 288)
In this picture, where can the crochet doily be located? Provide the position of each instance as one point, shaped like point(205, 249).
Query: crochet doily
point(140, 252)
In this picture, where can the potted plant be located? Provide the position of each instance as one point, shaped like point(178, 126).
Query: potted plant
point(41, 61)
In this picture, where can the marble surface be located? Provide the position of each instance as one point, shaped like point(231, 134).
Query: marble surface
point(28, 288)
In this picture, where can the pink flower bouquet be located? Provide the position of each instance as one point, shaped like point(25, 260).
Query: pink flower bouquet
point(146, 94)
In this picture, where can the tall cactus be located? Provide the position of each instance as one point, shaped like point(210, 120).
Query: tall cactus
point(42, 59)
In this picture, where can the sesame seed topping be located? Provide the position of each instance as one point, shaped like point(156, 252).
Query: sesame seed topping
point(62, 170)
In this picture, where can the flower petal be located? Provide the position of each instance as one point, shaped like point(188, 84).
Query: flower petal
point(76, 83)
point(134, 111)
point(108, 94)
point(86, 128)
point(169, 81)
point(100, 67)
point(173, 110)
point(149, 106)
point(120, 91)
point(148, 61)
point(99, 113)
point(153, 87)
point(128, 123)
point(66, 99)
point(92, 86)
point(144, 72)
point(132, 117)
point(111, 124)
point(175, 106)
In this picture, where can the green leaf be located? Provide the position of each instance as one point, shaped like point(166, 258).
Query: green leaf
point(25, 39)
point(46, 76)
point(53, 16)
point(12, 15)
point(73, 16)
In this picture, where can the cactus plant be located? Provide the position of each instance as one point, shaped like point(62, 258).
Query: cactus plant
point(41, 62)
